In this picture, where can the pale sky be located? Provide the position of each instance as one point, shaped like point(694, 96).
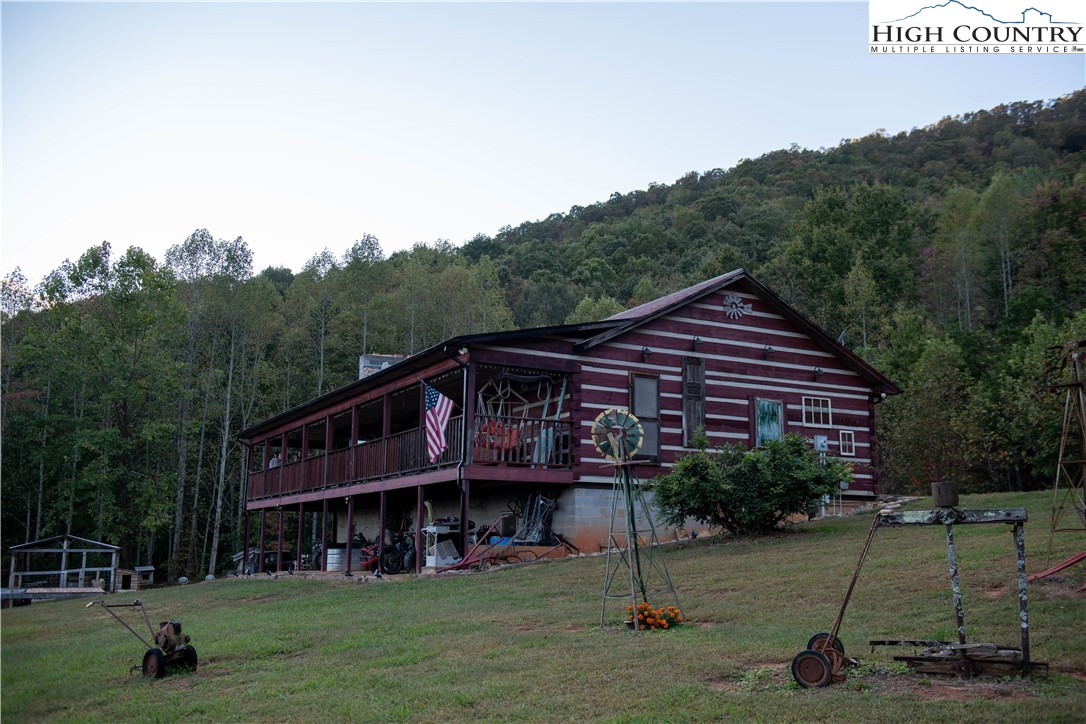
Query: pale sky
point(301, 127)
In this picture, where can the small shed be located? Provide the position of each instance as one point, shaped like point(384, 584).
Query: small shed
point(135, 579)
point(63, 566)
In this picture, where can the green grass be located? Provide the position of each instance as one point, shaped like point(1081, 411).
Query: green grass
point(523, 643)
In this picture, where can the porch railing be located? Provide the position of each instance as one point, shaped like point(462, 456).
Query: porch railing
point(522, 442)
point(495, 441)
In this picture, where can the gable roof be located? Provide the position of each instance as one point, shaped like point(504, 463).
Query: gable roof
point(677, 299)
point(644, 313)
point(60, 538)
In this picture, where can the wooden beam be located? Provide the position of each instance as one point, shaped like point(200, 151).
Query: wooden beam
point(419, 499)
point(952, 516)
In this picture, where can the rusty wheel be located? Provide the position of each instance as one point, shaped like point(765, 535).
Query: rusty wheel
point(154, 664)
point(189, 657)
point(816, 643)
point(812, 669)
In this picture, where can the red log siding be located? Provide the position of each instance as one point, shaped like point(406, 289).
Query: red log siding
point(738, 370)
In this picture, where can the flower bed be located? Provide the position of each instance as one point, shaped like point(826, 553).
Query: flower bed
point(653, 618)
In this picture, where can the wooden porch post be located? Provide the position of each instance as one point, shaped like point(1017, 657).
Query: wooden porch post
point(386, 431)
point(282, 464)
point(350, 533)
point(422, 458)
point(249, 457)
point(279, 553)
point(469, 414)
point(263, 532)
point(327, 449)
point(245, 551)
point(465, 509)
point(305, 442)
point(64, 563)
point(419, 512)
point(324, 537)
point(355, 423)
point(381, 526)
point(301, 525)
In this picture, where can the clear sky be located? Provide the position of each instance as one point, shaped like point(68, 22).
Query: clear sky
point(301, 127)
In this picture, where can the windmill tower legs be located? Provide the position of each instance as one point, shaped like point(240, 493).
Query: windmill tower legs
point(1071, 467)
point(636, 573)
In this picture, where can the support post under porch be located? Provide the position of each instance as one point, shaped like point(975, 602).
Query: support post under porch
point(263, 531)
point(350, 535)
point(381, 526)
point(324, 536)
point(419, 512)
point(279, 552)
point(301, 525)
point(465, 509)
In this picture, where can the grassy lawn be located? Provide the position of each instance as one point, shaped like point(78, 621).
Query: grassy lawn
point(523, 642)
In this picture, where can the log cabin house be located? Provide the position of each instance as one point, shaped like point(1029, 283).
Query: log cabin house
point(728, 354)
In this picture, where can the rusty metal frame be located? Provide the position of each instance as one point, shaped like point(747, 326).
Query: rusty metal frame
point(135, 604)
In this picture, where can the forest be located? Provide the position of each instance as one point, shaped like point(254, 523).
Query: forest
point(952, 257)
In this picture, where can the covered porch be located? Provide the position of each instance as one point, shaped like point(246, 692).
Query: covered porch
point(367, 458)
point(516, 419)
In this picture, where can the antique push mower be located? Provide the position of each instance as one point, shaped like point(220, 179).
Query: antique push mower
point(170, 648)
point(822, 662)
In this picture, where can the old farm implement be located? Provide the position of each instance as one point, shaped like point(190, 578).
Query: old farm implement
point(823, 661)
point(168, 647)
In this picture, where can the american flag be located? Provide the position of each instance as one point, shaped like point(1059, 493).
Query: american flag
point(438, 409)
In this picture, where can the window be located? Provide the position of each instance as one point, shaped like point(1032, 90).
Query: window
point(769, 421)
point(693, 397)
point(816, 411)
point(645, 405)
point(848, 443)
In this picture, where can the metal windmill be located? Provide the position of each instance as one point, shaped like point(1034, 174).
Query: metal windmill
point(1071, 470)
point(618, 435)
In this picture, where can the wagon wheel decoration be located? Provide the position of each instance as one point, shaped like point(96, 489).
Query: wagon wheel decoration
point(617, 434)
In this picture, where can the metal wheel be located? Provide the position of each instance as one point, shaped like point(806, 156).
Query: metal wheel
point(811, 669)
point(391, 561)
point(154, 664)
point(816, 643)
point(617, 434)
point(189, 658)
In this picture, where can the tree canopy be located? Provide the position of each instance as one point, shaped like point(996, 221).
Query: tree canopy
point(952, 257)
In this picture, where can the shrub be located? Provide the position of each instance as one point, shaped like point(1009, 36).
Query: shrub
point(746, 492)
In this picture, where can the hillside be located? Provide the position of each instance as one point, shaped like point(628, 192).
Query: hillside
point(705, 223)
point(952, 257)
point(524, 644)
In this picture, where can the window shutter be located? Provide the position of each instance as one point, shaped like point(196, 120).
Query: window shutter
point(693, 397)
